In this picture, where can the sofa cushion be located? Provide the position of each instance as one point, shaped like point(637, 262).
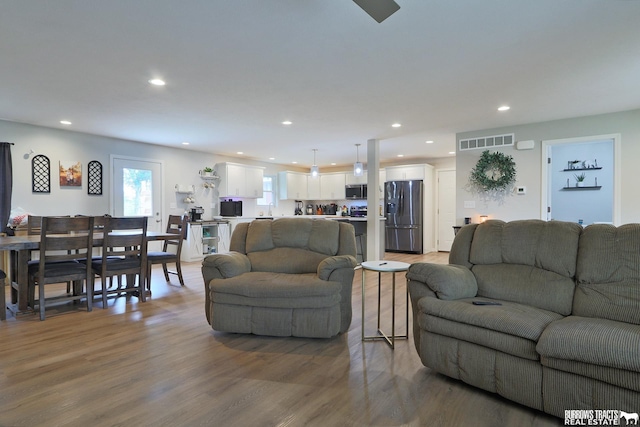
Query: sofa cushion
point(286, 260)
point(526, 285)
point(608, 273)
point(596, 341)
point(275, 290)
point(602, 349)
point(549, 245)
point(511, 328)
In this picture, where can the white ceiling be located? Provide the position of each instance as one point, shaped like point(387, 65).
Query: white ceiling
point(235, 69)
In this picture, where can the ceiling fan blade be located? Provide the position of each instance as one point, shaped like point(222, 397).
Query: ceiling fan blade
point(378, 9)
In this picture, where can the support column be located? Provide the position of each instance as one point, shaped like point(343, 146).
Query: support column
point(375, 227)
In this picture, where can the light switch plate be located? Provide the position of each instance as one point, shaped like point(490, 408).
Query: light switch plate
point(521, 190)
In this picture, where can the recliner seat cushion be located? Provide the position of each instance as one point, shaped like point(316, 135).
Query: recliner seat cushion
point(281, 290)
point(511, 328)
point(602, 349)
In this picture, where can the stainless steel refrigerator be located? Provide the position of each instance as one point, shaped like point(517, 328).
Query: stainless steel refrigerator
point(403, 213)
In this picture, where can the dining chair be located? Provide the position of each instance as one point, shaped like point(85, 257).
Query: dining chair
point(3, 302)
point(171, 250)
point(63, 240)
point(34, 225)
point(124, 253)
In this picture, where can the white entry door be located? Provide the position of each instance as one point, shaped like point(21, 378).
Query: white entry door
point(446, 208)
point(136, 189)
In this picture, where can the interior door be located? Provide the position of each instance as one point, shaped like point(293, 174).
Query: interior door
point(446, 208)
point(136, 189)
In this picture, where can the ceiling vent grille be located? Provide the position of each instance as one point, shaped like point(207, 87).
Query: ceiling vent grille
point(486, 142)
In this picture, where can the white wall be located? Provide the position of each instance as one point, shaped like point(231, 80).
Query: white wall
point(181, 166)
point(528, 165)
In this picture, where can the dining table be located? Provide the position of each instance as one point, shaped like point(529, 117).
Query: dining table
point(20, 248)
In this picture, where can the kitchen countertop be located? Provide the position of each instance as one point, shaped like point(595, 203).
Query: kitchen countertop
point(333, 217)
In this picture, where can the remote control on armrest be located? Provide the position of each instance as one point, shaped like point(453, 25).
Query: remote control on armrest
point(485, 303)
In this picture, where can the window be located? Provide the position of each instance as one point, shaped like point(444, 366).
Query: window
point(268, 191)
point(137, 192)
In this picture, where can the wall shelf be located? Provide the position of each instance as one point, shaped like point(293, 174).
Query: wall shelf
point(185, 189)
point(592, 187)
point(581, 169)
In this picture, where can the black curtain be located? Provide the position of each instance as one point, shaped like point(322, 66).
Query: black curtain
point(6, 184)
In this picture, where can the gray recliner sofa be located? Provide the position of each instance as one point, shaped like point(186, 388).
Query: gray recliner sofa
point(286, 277)
point(566, 334)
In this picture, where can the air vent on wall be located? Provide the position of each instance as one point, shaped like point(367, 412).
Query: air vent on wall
point(486, 142)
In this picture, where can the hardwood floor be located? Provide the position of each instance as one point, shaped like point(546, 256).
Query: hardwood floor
point(159, 363)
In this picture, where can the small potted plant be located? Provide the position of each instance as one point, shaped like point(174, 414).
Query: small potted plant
point(580, 179)
point(207, 171)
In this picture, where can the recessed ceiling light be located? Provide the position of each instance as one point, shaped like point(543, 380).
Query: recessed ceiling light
point(272, 158)
point(429, 142)
point(185, 143)
point(239, 152)
point(333, 163)
point(396, 125)
point(157, 82)
point(295, 163)
point(65, 122)
point(400, 155)
point(452, 152)
point(287, 122)
point(504, 108)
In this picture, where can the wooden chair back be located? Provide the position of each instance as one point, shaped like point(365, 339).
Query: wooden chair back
point(65, 239)
point(124, 247)
point(176, 225)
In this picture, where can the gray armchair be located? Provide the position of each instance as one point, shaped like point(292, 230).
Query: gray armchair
point(286, 277)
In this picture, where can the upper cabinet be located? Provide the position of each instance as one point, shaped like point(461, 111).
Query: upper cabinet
point(352, 180)
point(313, 188)
point(300, 186)
point(332, 186)
point(292, 186)
point(404, 173)
point(238, 180)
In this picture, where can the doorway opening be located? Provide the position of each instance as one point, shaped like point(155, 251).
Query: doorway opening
point(581, 179)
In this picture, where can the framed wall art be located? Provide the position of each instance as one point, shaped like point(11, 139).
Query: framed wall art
point(70, 174)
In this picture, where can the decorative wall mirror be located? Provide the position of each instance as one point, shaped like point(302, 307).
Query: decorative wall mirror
point(41, 174)
point(95, 178)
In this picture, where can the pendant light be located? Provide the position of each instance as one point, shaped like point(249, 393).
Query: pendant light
point(315, 171)
point(358, 169)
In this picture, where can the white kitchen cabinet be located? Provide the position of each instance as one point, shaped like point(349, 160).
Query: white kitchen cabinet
point(192, 247)
point(313, 188)
point(255, 183)
point(203, 238)
point(351, 179)
point(332, 186)
point(404, 173)
point(238, 180)
point(292, 186)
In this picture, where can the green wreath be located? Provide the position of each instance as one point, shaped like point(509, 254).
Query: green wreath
point(493, 172)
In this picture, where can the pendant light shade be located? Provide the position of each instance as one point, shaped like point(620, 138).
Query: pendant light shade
point(315, 171)
point(358, 169)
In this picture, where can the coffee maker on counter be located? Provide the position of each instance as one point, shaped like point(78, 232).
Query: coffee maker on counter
point(196, 214)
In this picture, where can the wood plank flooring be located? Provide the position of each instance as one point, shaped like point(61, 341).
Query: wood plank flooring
point(160, 364)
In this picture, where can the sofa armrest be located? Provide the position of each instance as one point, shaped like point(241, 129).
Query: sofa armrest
point(223, 266)
point(329, 265)
point(448, 282)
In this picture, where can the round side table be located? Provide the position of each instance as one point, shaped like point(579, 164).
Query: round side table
point(386, 267)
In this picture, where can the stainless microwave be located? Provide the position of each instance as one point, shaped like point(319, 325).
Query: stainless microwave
point(356, 191)
point(230, 208)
